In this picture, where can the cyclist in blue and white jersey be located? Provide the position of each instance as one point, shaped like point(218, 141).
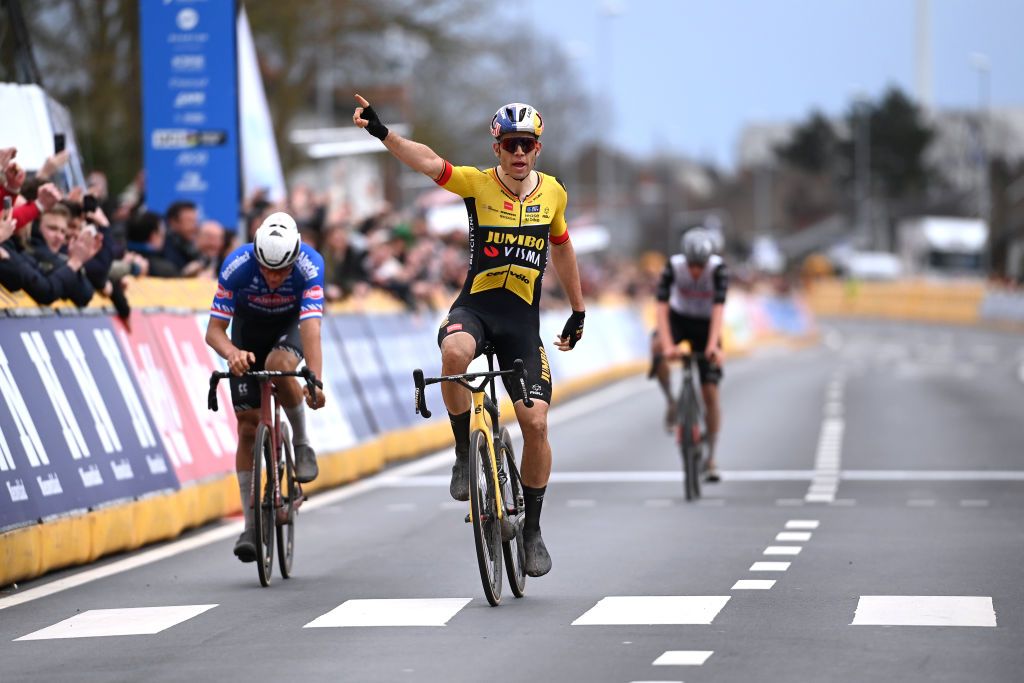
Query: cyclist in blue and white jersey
point(271, 292)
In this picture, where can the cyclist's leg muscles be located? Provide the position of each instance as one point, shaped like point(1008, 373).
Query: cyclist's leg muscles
point(460, 337)
point(536, 467)
point(285, 357)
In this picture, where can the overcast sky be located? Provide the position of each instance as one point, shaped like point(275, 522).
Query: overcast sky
point(688, 74)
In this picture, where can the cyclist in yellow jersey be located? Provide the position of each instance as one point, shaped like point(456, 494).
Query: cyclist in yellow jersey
point(515, 213)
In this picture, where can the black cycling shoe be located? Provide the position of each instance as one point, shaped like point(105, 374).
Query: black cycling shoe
point(538, 561)
point(306, 468)
point(459, 487)
point(245, 546)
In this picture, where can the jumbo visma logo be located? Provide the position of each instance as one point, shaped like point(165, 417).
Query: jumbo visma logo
point(519, 247)
point(517, 279)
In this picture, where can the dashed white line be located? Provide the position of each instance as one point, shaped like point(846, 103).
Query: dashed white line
point(790, 536)
point(131, 621)
point(653, 610)
point(782, 550)
point(753, 585)
point(769, 566)
point(683, 658)
point(789, 502)
point(973, 503)
point(924, 610)
point(802, 524)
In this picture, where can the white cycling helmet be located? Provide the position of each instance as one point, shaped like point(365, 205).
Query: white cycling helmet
point(698, 246)
point(517, 117)
point(277, 242)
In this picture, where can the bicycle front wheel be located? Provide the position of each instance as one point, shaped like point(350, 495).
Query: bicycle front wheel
point(289, 493)
point(263, 458)
point(689, 445)
point(512, 496)
point(483, 510)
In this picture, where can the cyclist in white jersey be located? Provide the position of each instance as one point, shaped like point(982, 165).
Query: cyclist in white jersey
point(690, 305)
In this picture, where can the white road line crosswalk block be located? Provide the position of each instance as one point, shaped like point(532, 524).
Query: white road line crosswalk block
point(395, 612)
point(924, 610)
point(653, 610)
point(753, 585)
point(769, 566)
point(129, 621)
point(782, 550)
point(793, 536)
point(802, 524)
point(683, 658)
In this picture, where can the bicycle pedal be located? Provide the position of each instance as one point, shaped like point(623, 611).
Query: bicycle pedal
point(469, 518)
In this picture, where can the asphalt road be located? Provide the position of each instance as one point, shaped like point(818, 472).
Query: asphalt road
point(890, 457)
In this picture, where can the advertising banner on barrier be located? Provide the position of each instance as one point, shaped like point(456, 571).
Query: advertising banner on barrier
point(340, 387)
point(205, 440)
point(74, 431)
point(190, 106)
point(329, 427)
point(407, 342)
point(372, 379)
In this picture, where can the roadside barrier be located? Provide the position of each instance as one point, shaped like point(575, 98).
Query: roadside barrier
point(106, 443)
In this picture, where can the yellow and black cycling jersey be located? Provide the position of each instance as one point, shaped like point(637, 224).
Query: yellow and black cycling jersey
point(508, 238)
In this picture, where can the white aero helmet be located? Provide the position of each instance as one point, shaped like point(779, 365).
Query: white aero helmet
point(698, 246)
point(517, 117)
point(277, 242)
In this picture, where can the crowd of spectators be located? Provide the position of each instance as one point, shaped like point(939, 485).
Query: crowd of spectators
point(83, 242)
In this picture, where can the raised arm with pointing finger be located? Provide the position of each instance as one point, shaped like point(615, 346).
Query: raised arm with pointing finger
point(415, 155)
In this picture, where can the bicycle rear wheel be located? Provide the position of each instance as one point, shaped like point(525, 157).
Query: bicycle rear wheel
point(483, 510)
point(689, 445)
point(289, 494)
point(512, 496)
point(263, 458)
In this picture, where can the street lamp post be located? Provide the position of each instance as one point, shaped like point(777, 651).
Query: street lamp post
point(982, 64)
point(609, 9)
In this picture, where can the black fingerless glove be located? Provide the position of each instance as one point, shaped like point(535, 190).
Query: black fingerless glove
point(374, 127)
point(573, 330)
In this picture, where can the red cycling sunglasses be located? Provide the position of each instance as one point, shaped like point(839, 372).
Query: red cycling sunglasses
point(510, 144)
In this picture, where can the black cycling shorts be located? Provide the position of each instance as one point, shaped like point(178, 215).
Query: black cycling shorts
point(511, 339)
point(260, 337)
point(695, 331)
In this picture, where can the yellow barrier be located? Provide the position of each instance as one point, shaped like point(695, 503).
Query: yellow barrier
point(957, 302)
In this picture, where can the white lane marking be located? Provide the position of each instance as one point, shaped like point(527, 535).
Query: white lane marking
point(921, 503)
point(657, 503)
point(789, 502)
point(653, 610)
point(401, 507)
point(396, 612)
point(973, 503)
point(581, 503)
point(753, 585)
point(782, 550)
point(924, 610)
point(828, 455)
point(802, 524)
point(827, 474)
point(769, 566)
point(132, 621)
point(683, 658)
point(594, 402)
point(820, 497)
point(788, 536)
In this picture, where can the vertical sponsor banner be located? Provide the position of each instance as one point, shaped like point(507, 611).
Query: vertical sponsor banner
point(407, 342)
point(370, 374)
point(341, 386)
point(74, 430)
point(190, 106)
point(204, 441)
point(329, 427)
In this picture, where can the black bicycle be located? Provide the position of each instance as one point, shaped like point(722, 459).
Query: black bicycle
point(272, 449)
point(496, 507)
point(692, 434)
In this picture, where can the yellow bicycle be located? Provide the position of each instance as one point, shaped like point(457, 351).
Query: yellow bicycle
point(496, 507)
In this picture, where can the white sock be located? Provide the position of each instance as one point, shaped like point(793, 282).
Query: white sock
point(297, 419)
point(245, 488)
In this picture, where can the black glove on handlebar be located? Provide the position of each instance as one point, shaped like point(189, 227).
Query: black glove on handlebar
point(374, 127)
point(573, 330)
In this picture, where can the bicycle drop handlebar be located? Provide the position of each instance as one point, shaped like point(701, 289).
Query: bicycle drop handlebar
point(518, 371)
point(305, 373)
